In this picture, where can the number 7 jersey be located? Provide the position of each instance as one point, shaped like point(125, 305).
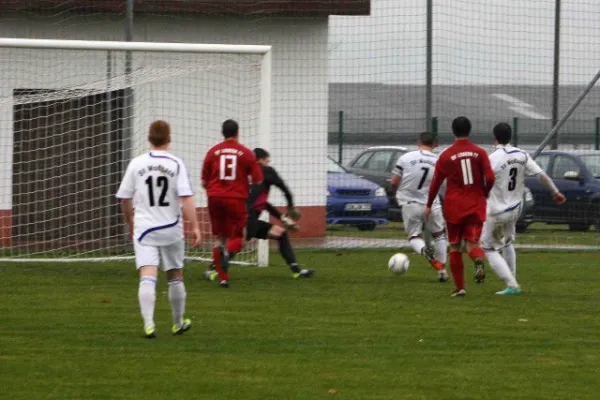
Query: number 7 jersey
point(415, 170)
point(510, 165)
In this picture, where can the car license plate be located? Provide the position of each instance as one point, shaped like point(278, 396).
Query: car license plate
point(358, 207)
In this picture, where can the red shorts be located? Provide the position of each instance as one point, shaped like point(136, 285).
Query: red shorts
point(469, 229)
point(228, 217)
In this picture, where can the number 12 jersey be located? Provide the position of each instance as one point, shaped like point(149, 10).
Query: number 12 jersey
point(156, 181)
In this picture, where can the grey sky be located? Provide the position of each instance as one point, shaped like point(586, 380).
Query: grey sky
point(475, 42)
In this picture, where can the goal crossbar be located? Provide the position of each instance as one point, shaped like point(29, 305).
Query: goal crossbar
point(133, 46)
point(264, 127)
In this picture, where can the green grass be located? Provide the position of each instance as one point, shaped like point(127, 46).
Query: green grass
point(73, 331)
point(536, 234)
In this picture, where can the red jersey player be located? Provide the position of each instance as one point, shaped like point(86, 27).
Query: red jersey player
point(226, 173)
point(470, 177)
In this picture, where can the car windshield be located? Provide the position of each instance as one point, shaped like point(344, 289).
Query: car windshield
point(592, 162)
point(334, 167)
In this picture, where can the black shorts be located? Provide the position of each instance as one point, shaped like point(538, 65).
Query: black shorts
point(256, 228)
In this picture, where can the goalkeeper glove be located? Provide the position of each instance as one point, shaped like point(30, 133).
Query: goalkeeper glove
point(289, 224)
point(293, 213)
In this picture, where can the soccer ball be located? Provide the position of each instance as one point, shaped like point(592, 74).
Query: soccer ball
point(399, 263)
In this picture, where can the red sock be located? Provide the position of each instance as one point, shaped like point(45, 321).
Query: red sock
point(217, 261)
point(457, 268)
point(476, 253)
point(234, 246)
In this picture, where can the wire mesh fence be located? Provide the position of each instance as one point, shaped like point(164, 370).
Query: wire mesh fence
point(349, 75)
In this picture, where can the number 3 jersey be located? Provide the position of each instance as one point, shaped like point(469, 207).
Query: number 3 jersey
point(228, 168)
point(415, 170)
point(510, 165)
point(156, 181)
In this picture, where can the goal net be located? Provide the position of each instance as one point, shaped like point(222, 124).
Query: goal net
point(74, 113)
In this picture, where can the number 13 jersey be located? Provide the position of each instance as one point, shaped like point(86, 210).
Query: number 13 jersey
point(415, 170)
point(510, 165)
point(227, 170)
point(156, 181)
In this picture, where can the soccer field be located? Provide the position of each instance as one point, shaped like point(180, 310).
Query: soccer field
point(73, 331)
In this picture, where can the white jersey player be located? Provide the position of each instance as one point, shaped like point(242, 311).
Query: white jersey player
point(410, 180)
point(157, 186)
point(511, 165)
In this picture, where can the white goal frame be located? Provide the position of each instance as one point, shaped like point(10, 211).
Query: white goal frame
point(264, 134)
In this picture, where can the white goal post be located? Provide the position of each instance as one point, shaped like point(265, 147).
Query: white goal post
point(55, 92)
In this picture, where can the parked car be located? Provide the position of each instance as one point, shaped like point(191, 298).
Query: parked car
point(577, 175)
point(352, 200)
point(376, 164)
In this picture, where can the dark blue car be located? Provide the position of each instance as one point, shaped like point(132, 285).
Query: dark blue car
point(577, 176)
point(352, 200)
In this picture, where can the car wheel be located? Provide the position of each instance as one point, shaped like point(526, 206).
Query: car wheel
point(367, 227)
point(578, 227)
point(596, 216)
point(521, 228)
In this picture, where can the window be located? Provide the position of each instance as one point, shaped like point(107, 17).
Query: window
point(360, 161)
point(592, 162)
point(334, 168)
point(543, 162)
point(380, 161)
point(563, 164)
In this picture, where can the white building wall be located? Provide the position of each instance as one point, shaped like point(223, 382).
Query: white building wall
point(197, 100)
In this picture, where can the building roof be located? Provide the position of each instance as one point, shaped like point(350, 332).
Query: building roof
point(221, 7)
point(373, 112)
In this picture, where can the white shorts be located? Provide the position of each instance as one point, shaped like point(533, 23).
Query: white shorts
point(172, 255)
point(499, 230)
point(413, 215)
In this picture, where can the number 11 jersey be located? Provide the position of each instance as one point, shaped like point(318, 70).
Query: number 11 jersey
point(156, 181)
point(415, 170)
point(227, 170)
point(466, 169)
point(510, 165)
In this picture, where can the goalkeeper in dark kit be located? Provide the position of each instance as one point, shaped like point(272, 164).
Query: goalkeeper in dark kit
point(258, 202)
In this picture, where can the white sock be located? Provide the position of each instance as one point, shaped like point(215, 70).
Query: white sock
point(510, 255)
point(147, 297)
point(501, 269)
point(441, 248)
point(417, 244)
point(177, 295)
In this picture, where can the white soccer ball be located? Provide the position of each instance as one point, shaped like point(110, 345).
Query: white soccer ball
point(399, 263)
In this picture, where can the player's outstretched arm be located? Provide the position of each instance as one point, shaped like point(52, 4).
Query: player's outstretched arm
point(273, 211)
point(559, 198)
point(127, 209)
point(276, 180)
point(532, 168)
point(188, 207)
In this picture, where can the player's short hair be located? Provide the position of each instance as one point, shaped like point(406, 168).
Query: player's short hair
point(428, 139)
point(461, 127)
point(159, 133)
point(261, 154)
point(502, 133)
point(230, 129)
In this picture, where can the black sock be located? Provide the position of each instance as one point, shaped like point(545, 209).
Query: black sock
point(285, 248)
